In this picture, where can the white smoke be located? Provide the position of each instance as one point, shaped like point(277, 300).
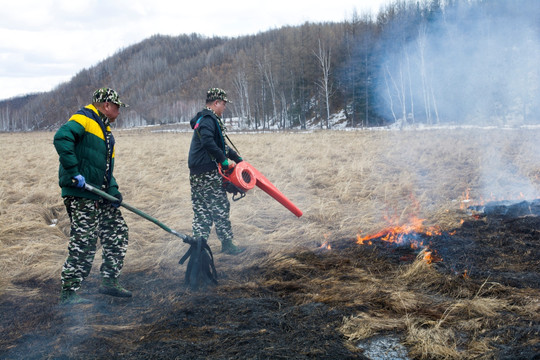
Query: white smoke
point(503, 180)
point(476, 63)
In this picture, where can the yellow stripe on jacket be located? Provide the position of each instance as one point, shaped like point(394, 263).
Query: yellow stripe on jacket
point(90, 125)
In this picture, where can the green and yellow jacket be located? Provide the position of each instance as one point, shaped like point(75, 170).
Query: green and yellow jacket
point(85, 145)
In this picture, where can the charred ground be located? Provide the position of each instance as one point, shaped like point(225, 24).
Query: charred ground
point(295, 305)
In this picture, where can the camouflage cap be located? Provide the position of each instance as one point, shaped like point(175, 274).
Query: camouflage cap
point(107, 95)
point(216, 94)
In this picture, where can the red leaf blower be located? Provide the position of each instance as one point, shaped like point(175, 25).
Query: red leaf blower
point(244, 177)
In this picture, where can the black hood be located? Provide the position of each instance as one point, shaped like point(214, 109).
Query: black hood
point(200, 114)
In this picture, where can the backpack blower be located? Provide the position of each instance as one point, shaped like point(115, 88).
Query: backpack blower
point(244, 177)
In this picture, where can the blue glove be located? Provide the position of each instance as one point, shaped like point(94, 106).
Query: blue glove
point(116, 204)
point(80, 181)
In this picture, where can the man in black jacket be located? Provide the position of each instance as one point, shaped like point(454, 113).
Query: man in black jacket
point(208, 148)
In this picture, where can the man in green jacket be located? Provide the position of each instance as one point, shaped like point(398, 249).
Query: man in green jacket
point(85, 146)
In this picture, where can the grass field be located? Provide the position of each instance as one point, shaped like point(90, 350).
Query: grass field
point(347, 184)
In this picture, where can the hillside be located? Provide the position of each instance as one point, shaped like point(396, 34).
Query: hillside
point(426, 62)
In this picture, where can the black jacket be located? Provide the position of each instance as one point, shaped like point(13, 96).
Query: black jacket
point(208, 144)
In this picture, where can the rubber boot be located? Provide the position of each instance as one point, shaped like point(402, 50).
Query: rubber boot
point(70, 297)
point(228, 247)
point(110, 286)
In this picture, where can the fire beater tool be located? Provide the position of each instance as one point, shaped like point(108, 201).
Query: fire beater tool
point(200, 267)
point(245, 176)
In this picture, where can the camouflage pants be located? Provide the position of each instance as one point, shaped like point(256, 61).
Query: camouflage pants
point(90, 220)
point(210, 206)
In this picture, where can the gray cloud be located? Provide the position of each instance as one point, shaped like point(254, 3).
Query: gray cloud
point(43, 43)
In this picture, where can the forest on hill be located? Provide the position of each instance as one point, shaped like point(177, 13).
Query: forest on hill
point(418, 62)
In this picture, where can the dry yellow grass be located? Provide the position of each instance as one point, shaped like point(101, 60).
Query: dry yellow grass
point(346, 183)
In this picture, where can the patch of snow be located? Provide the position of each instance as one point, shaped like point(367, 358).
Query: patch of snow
point(384, 348)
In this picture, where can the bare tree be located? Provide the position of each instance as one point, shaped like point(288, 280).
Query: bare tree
point(242, 90)
point(430, 104)
point(265, 68)
point(388, 75)
point(324, 57)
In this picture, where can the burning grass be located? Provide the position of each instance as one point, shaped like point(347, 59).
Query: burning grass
point(477, 297)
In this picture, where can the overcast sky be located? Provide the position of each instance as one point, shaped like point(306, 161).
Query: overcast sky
point(46, 42)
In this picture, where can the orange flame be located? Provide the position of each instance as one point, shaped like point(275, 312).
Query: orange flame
point(397, 233)
point(466, 198)
point(431, 257)
point(326, 245)
point(405, 233)
point(428, 257)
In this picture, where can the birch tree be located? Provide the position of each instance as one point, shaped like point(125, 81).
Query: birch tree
point(241, 86)
point(324, 56)
point(265, 68)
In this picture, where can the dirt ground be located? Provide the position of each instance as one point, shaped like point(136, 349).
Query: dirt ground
point(279, 308)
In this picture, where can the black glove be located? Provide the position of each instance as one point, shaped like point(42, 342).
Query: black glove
point(116, 204)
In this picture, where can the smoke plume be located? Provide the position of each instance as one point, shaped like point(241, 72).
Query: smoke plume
point(474, 63)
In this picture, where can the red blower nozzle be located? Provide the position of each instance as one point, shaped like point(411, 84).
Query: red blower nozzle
point(245, 177)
